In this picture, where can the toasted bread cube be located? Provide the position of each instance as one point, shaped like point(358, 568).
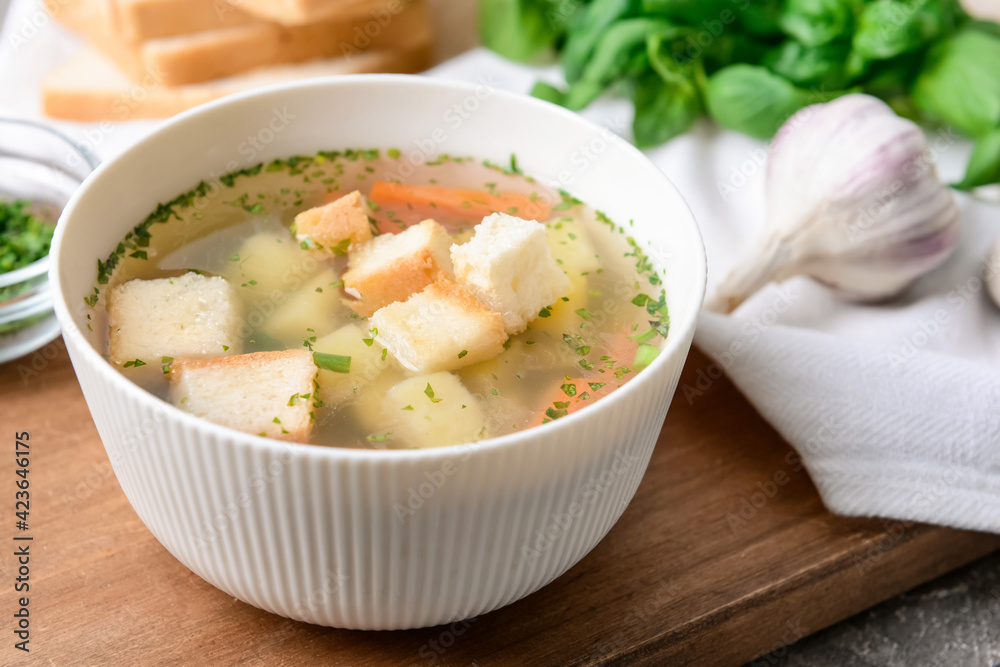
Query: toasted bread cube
point(431, 411)
point(257, 393)
point(267, 264)
point(336, 226)
point(391, 267)
point(188, 316)
point(441, 328)
point(367, 363)
point(509, 267)
point(313, 306)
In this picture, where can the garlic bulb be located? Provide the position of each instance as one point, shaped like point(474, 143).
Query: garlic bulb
point(992, 273)
point(854, 201)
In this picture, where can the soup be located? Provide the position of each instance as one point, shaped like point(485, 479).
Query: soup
point(501, 303)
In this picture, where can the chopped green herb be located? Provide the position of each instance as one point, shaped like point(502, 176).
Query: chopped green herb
point(584, 313)
point(430, 394)
point(24, 238)
point(569, 389)
point(644, 356)
point(545, 312)
point(234, 258)
point(645, 336)
point(276, 420)
point(407, 407)
point(340, 250)
point(135, 362)
point(385, 437)
point(462, 353)
point(332, 362)
point(595, 386)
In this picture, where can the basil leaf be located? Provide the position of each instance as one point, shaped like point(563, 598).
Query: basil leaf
point(821, 66)
point(960, 82)
point(520, 29)
point(752, 100)
point(663, 109)
point(586, 30)
point(815, 22)
point(731, 48)
point(891, 80)
point(620, 53)
point(984, 166)
point(889, 28)
point(701, 13)
point(714, 16)
point(761, 17)
point(549, 93)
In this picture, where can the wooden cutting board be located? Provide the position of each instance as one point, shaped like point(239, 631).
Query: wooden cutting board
point(724, 554)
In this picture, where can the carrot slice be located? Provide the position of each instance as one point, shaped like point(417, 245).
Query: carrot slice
point(571, 395)
point(610, 360)
point(467, 203)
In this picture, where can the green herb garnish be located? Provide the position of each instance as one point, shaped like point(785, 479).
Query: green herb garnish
point(332, 362)
point(24, 238)
point(430, 394)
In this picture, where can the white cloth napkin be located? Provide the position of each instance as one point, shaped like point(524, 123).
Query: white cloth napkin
point(895, 408)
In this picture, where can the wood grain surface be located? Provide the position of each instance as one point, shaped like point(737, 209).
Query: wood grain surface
point(679, 580)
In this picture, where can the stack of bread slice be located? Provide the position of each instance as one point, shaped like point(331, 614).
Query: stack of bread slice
point(155, 58)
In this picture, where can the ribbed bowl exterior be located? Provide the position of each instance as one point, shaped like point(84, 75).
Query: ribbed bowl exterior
point(371, 539)
point(378, 542)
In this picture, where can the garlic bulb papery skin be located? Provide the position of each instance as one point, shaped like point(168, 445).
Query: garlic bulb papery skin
point(992, 277)
point(854, 200)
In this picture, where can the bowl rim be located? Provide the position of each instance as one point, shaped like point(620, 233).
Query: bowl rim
point(681, 331)
point(26, 272)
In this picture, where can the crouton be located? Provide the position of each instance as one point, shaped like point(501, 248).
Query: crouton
point(333, 228)
point(441, 328)
point(508, 266)
point(428, 411)
point(367, 363)
point(391, 267)
point(267, 264)
point(260, 393)
point(311, 310)
point(188, 316)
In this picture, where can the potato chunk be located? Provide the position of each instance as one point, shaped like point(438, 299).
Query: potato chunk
point(430, 411)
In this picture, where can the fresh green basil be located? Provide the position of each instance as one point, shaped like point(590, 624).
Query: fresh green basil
point(960, 82)
point(984, 166)
point(815, 22)
point(753, 100)
point(520, 29)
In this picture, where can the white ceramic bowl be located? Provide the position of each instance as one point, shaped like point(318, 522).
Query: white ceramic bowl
point(40, 165)
point(378, 539)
